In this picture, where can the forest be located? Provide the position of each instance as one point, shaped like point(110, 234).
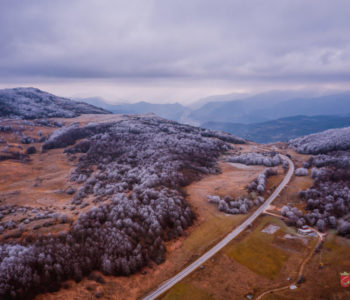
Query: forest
point(133, 170)
point(327, 202)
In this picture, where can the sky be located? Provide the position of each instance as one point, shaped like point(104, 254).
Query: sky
point(173, 51)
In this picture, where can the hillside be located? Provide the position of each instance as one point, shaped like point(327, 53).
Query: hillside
point(328, 200)
point(117, 183)
point(110, 195)
point(32, 103)
point(323, 142)
point(87, 201)
point(283, 129)
point(305, 232)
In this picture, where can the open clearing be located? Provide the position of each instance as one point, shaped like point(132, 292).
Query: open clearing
point(323, 283)
point(249, 264)
point(270, 229)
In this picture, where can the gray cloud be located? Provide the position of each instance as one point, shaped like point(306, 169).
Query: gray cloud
point(296, 41)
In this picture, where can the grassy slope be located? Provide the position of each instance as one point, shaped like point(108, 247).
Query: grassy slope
point(250, 264)
point(186, 291)
point(210, 226)
point(324, 283)
point(257, 253)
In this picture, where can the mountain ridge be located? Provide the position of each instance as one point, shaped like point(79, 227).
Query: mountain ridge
point(257, 109)
point(172, 111)
point(282, 129)
point(32, 103)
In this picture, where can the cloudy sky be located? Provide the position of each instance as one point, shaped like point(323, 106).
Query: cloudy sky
point(166, 50)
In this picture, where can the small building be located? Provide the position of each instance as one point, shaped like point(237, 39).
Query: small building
point(306, 231)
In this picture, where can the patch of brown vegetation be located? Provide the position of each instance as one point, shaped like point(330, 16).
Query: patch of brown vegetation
point(225, 278)
point(322, 273)
point(40, 182)
point(88, 118)
point(289, 196)
point(296, 244)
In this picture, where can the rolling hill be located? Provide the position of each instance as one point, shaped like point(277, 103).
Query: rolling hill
point(32, 103)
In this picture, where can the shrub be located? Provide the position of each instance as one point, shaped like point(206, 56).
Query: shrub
point(301, 172)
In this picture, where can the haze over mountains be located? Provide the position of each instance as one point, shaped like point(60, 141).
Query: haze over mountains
point(266, 117)
point(169, 111)
point(282, 129)
point(263, 118)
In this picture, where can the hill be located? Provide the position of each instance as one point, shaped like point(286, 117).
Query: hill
point(323, 142)
point(283, 129)
point(32, 103)
point(111, 188)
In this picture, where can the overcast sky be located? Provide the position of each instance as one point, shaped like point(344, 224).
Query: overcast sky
point(173, 50)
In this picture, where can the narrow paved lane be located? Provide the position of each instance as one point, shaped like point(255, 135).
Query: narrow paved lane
point(178, 277)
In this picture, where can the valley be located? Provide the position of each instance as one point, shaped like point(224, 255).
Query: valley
point(136, 206)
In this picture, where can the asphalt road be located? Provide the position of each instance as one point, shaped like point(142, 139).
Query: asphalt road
point(197, 263)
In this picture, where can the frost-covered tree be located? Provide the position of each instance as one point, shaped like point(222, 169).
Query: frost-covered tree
point(259, 184)
point(301, 172)
point(267, 159)
point(323, 142)
point(133, 170)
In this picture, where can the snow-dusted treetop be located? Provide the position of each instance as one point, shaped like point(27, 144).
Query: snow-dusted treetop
point(254, 158)
point(323, 142)
point(32, 103)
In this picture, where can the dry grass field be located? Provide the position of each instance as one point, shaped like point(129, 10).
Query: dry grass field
point(250, 264)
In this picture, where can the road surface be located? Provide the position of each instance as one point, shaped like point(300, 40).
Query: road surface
point(189, 269)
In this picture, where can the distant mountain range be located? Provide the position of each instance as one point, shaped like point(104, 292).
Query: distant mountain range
point(282, 129)
point(248, 109)
point(266, 117)
point(271, 106)
point(168, 111)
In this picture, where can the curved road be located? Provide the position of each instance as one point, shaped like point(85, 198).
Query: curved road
point(178, 277)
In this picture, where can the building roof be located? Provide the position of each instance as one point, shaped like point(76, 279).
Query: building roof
point(304, 230)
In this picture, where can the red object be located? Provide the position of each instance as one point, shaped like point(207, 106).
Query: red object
point(345, 279)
